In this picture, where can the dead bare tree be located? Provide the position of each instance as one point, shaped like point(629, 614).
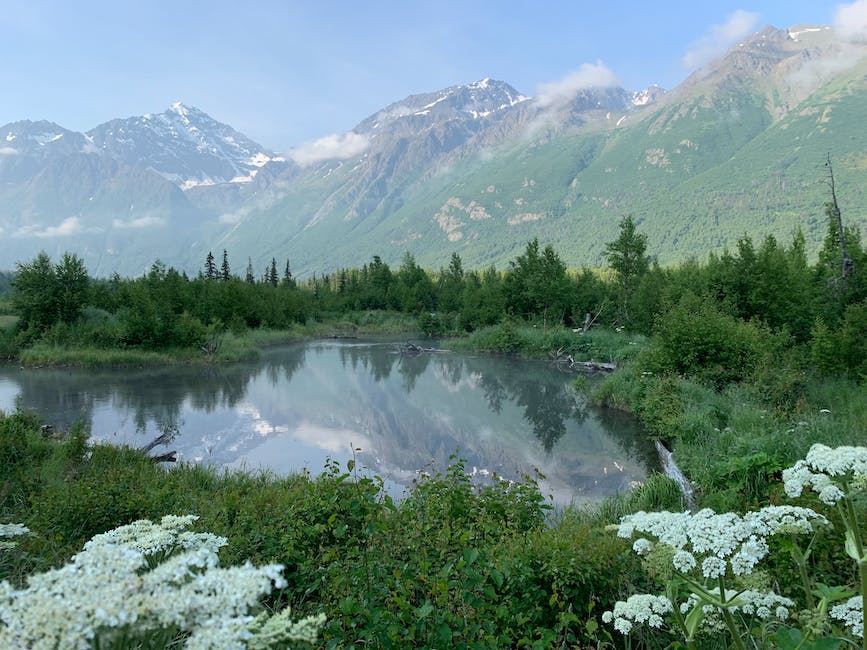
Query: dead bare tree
point(832, 209)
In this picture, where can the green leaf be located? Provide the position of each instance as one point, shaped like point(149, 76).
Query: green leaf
point(424, 611)
point(832, 594)
point(852, 546)
point(788, 638)
point(350, 464)
point(693, 620)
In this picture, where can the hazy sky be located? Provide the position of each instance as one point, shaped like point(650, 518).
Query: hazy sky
point(290, 72)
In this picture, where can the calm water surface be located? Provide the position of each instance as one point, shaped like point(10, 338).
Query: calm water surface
point(300, 404)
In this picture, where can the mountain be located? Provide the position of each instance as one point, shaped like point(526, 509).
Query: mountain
point(478, 169)
point(183, 145)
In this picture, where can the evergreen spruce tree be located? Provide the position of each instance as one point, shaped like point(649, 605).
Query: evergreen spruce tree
point(272, 276)
point(250, 278)
point(225, 273)
point(287, 276)
point(210, 267)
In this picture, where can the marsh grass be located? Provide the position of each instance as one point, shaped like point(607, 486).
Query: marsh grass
point(8, 321)
point(731, 444)
point(596, 345)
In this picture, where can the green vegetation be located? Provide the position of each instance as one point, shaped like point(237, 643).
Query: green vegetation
point(454, 564)
point(740, 364)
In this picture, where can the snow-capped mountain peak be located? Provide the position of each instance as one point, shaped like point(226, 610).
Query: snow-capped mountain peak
point(184, 145)
point(476, 100)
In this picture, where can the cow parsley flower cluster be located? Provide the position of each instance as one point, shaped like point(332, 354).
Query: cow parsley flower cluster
point(8, 531)
point(759, 604)
point(852, 614)
point(717, 541)
point(143, 578)
point(640, 609)
point(819, 469)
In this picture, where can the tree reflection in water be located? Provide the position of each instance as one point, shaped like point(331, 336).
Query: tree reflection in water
point(547, 401)
point(301, 403)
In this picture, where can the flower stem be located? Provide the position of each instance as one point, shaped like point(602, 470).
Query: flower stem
point(727, 615)
point(801, 561)
point(850, 518)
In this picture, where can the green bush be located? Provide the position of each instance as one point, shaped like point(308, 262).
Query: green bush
point(697, 339)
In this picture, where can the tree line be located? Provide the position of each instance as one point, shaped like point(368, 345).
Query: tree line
point(768, 283)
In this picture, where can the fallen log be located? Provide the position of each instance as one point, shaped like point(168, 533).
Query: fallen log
point(562, 360)
point(413, 349)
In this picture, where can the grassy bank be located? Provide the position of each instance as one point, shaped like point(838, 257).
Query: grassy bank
point(223, 347)
point(733, 442)
point(601, 345)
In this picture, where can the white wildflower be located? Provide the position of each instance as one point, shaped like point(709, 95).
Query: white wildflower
point(820, 469)
point(269, 632)
point(639, 609)
point(785, 520)
point(684, 561)
point(796, 478)
point(144, 577)
point(13, 530)
point(727, 537)
point(642, 546)
point(752, 550)
point(763, 605)
point(713, 567)
point(839, 461)
point(852, 614)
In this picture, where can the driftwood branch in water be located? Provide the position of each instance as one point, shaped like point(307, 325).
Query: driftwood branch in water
point(163, 439)
point(413, 348)
point(562, 360)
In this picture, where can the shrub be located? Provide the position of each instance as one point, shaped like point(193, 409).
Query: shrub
point(695, 338)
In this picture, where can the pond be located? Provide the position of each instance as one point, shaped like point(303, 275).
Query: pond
point(300, 405)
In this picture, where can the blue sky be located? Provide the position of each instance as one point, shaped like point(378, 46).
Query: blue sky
point(290, 72)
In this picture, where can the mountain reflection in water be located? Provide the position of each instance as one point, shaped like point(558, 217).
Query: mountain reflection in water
point(301, 404)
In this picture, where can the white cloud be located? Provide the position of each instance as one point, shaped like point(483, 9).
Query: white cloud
point(8, 151)
point(398, 111)
point(589, 75)
point(331, 147)
point(720, 37)
point(67, 227)
point(850, 20)
point(141, 222)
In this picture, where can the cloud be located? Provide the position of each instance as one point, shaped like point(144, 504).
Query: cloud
point(8, 151)
point(720, 37)
point(400, 110)
point(67, 227)
point(850, 20)
point(589, 75)
point(331, 147)
point(141, 222)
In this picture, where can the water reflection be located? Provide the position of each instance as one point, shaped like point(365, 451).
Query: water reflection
point(301, 404)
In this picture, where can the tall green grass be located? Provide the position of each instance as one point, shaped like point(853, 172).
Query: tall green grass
point(731, 444)
point(600, 345)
